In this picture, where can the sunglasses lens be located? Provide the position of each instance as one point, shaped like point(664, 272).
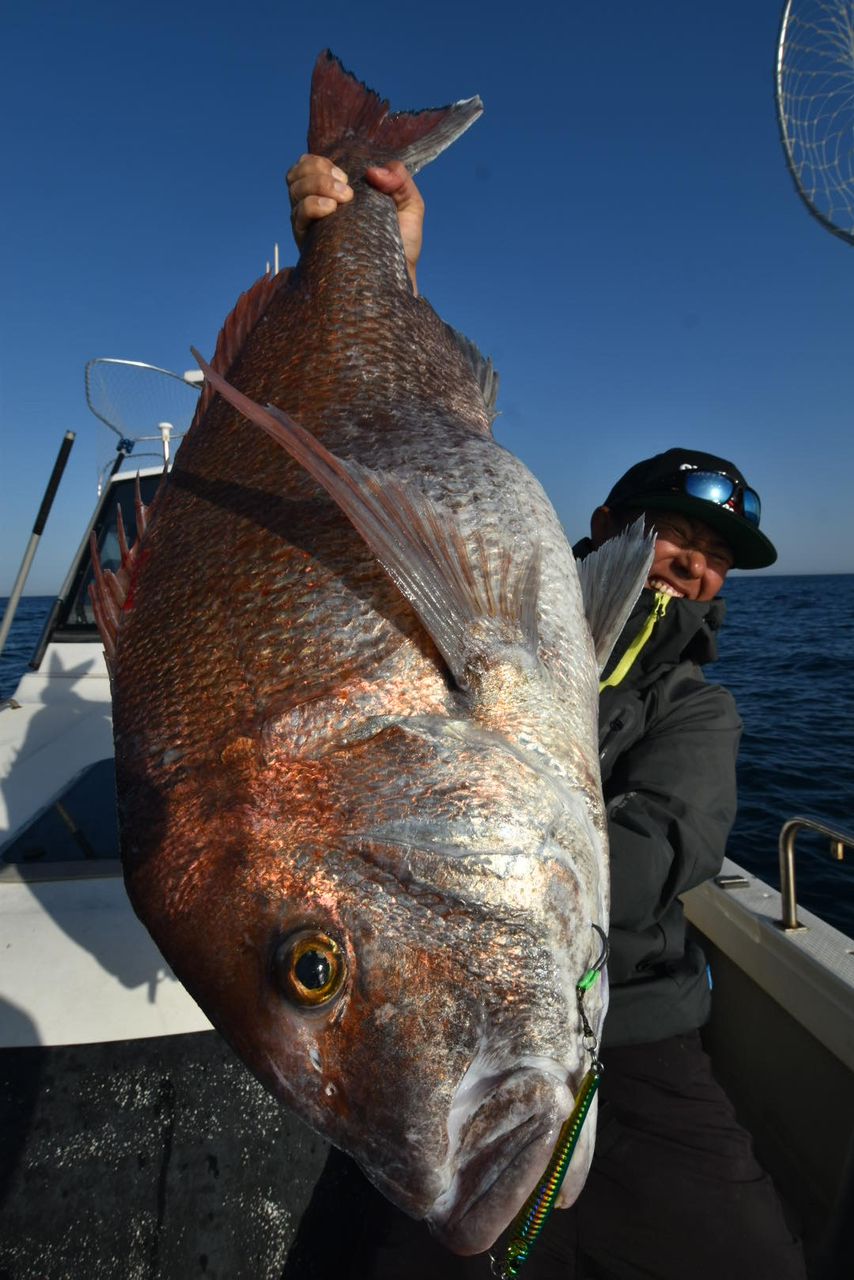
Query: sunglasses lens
point(712, 487)
point(752, 506)
point(709, 486)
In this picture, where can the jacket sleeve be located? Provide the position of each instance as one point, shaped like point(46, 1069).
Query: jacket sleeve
point(671, 801)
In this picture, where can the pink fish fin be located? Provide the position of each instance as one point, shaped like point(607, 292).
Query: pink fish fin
point(239, 323)
point(343, 110)
point(472, 598)
point(612, 577)
point(111, 592)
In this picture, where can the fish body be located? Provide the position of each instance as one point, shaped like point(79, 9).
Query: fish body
point(355, 708)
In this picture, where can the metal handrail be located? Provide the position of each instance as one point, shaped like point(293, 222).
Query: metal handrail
point(839, 842)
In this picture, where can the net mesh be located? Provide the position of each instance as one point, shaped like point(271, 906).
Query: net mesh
point(132, 398)
point(815, 102)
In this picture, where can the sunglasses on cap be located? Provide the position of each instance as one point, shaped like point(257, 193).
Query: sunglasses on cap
point(714, 486)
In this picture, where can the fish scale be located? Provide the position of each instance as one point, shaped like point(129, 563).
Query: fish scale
point(355, 704)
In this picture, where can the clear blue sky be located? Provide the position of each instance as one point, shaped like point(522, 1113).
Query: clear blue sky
point(619, 231)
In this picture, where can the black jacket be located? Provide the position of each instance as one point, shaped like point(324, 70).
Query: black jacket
point(668, 743)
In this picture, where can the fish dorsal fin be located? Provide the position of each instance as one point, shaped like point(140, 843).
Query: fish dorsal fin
point(612, 577)
point(238, 324)
point(112, 593)
point(345, 109)
point(469, 600)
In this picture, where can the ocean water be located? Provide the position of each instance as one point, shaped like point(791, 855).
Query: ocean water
point(787, 654)
point(22, 639)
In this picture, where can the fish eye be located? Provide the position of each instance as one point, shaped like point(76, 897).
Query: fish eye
point(309, 969)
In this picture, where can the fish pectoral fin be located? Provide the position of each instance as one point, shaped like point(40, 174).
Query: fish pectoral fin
point(471, 601)
point(612, 577)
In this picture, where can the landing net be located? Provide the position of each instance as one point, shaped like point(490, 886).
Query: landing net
point(815, 107)
point(133, 398)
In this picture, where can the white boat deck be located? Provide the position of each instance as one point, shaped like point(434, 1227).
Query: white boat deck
point(77, 966)
point(58, 722)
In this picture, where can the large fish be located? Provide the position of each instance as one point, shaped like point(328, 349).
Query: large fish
point(355, 700)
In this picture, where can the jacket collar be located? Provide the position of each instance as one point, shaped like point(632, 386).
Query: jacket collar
point(686, 630)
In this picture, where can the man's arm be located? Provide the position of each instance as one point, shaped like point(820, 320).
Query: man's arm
point(316, 188)
point(671, 803)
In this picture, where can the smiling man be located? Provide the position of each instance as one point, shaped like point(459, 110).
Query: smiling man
point(672, 1166)
point(667, 739)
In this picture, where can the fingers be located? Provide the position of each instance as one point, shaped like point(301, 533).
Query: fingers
point(395, 180)
point(316, 176)
point(316, 188)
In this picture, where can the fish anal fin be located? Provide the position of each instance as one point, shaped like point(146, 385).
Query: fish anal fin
point(346, 111)
point(473, 600)
point(612, 577)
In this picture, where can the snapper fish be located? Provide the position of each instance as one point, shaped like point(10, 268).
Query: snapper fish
point(355, 683)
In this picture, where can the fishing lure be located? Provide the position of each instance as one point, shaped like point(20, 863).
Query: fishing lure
point(537, 1208)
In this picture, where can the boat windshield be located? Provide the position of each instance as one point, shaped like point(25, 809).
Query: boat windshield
point(76, 618)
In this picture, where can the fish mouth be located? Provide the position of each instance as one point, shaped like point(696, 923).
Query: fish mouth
point(496, 1174)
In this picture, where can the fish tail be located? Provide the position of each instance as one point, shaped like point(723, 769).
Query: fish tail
point(343, 109)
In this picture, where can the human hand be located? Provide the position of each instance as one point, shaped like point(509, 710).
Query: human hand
point(316, 188)
point(396, 181)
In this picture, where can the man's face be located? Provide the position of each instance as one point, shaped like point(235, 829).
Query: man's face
point(691, 560)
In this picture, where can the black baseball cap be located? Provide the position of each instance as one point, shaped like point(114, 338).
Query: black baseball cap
point(678, 479)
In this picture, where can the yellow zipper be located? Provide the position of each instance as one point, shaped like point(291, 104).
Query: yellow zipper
point(624, 666)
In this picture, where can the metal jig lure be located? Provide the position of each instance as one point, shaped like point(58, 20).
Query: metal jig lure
point(534, 1213)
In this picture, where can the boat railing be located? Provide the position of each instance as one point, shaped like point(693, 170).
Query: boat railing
point(839, 842)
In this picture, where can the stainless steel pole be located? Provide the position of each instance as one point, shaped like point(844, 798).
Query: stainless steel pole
point(38, 528)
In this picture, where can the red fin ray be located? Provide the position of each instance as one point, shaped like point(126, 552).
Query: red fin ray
point(111, 593)
point(238, 324)
point(455, 588)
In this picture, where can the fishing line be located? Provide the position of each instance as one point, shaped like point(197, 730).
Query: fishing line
point(535, 1212)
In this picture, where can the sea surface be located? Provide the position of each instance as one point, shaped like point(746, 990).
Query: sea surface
point(787, 654)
